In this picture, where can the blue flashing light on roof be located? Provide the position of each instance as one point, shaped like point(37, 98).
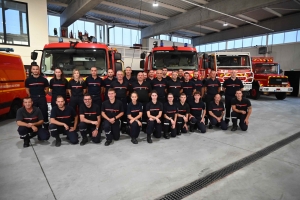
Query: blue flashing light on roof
point(94, 40)
point(60, 40)
point(161, 43)
point(185, 44)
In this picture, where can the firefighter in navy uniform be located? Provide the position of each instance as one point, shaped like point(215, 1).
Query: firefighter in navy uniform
point(63, 119)
point(174, 87)
point(154, 112)
point(180, 75)
point(216, 113)
point(160, 86)
point(188, 87)
point(130, 79)
point(107, 82)
point(58, 86)
point(76, 88)
point(134, 115)
point(241, 109)
point(112, 111)
point(231, 85)
point(212, 87)
point(183, 115)
point(121, 88)
point(90, 119)
point(197, 113)
point(198, 83)
point(30, 121)
point(142, 88)
point(170, 115)
point(94, 84)
point(164, 74)
point(37, 88)
point(150, 76)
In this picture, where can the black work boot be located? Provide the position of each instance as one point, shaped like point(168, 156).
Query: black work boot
point(107, 143)
point(206, 120)
point(192, 126)
point(178, 132)
point(149, 140)
point(234, 128)
point(84, 140)
point(26, 142)
point(58, 142)
point(166, 135)
point(134, 141)
point(210, 126)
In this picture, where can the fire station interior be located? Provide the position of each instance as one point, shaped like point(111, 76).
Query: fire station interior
point(260, 163)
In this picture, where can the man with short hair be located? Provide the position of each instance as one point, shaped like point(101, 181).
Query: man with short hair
point(90, 118)
point(30, 120)
point(130, 79)
point(165, 76)
point(160, 85)
point(64, 120)
point(107, 82)
point(174, 86)
point(188, 87)
point(216, 112)
point(198, 83)
point(180, 75)
point(150, 76)
point(183, 115)
point(94, 85)
point(112, 111)
point(241, 109)
point(197, 113)
point(145, 76)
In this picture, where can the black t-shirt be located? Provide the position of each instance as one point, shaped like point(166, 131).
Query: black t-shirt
point(121, 89)
point(107, 83)
point(197, 109)
point(131, 80)
point(142, 90)
point(36, 85)
point(188, 87)
point(183, 109)
point(181, 79)
point(154, 108)
point(149, 80)
point(94, 85)
point(112, 109)
point(174, 87)
point(212, 86)
point(24, 116)
point(241, 105)
point(76, 87)
point(90, 113)
point(167, 78)
point(170, 110)
point(159, 86)
point(66, 116)
point(198, 84)
point(134, 110)
point(216, 109)
point(59, 87)
point(232, 86)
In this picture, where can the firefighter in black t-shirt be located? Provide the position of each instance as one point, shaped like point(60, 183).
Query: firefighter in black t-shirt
point(183, 115)
point(64, 120)
point(130, 79)
point(134, 115)
point(197, 114)
point(165, 74)
point(180, 75)
point(216, 113)
point(90, 118)
point(199, 85)
point(170, 115)
point(154, 112)
point(107, 82)
point(241, 109)
point(37, 88)
point(150, 76)
point(231, 85)
point(112, 111)
point(188, 87)
point(76, 89)
point(94, 86)
point(58, 86)
point(174, 86)
point(30, 121)
point(160, 86)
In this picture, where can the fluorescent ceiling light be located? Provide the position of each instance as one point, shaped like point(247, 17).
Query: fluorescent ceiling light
point(225, 24)
point(155, 4)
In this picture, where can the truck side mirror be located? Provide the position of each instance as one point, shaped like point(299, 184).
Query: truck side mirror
point(280, 71)
point(117, 56)
point(118, 66)
point(143, 55)
point(142, 64)
point(34, 55)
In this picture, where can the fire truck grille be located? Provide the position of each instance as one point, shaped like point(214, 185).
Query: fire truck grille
point(277, 81)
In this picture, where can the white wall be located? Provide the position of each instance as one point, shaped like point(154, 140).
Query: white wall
point(38, 30)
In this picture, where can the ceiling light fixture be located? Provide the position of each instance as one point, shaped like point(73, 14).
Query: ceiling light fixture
point(225, 24)
point(155, 4)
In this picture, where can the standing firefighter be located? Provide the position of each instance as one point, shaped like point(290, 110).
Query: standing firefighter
point(94, 84)
point(58, 86)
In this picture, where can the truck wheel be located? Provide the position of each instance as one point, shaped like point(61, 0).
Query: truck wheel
point(281, 95)
point(14, 108)
point(255, 93)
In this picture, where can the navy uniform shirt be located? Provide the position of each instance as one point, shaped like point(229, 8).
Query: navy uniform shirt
point(33, 117)
point(106, 83)
point(159, 86)
point(94, 85)
point(232, 86)
point(134, 110)
point(167, 78)
point(131, 80)
point(77, 87)
point(180, 79)
point(216, 109)
point(212, 86)
point(198, 84)
point(120, 88)
point(154, 108)
point(112, 109)
point(197, 109)
point(149, 80)
point(170, 110)
point(241, 105)
point(59, 86)
point(183, 109)
point(188, 87)
point(142, 90)
point(174, 87)
point(90, 113)
point(36, 85)
point(66, 116)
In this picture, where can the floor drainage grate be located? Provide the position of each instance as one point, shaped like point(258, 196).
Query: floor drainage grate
point(225, 171)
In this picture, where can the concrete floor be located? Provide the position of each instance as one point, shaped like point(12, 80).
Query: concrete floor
point(148, 171)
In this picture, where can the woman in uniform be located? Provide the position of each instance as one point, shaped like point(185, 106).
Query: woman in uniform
point(76, 89)
point(58, 86)
point(170, 117)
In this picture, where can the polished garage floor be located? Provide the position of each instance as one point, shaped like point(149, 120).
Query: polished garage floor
point(148, 171)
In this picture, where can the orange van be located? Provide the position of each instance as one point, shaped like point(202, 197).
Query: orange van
point(12, 82)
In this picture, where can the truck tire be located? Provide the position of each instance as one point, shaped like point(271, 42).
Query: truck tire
point(281, 95)
point(255, 93)
point(16, 104)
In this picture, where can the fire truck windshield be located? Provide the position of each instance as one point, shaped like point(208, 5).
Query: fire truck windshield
point(266, 68)
point(175, 60)
point(233, 60)
point(69, 59)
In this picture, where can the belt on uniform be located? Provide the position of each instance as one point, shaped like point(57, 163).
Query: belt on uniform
point(37, 95)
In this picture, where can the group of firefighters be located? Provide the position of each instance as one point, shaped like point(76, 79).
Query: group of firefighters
point(164, 105)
